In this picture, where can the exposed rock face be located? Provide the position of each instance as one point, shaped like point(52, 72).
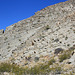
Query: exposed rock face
point(1, 32)
point(50, 28)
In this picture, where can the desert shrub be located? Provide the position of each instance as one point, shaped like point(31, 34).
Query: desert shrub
point(34, 70)
point(51, 61)
point(12, 68)
point(37, 69)
point(6, 67)
point(41, 68)
point(65, 55)
point(56, 70)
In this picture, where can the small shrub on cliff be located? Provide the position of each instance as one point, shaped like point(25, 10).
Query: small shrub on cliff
point(56, 70)
point(65, 55)
point(51, 61)
point(6, 67)
point(37, 69)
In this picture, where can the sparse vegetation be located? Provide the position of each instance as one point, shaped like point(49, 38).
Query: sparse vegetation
point(56, 70)
point(65, 55)
point(6, 67)
point(51, 61)
point(38, 69)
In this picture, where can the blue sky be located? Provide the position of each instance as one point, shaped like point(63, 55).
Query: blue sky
point(12, 11)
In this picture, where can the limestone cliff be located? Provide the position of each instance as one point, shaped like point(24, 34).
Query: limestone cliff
point(38, 37)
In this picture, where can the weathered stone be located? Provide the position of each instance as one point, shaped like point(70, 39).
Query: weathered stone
point(72, 59)
point(1, 32)
point(0, 54)
point(58, 50)
point(72, 48)
point(56, 40)
point(36, 59)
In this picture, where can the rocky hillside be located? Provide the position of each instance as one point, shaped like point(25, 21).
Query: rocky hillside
point(48, 37)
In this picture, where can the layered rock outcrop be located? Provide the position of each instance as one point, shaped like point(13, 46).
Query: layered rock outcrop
point(33, 39)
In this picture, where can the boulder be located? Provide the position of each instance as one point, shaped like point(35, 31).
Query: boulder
point(58, 50)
